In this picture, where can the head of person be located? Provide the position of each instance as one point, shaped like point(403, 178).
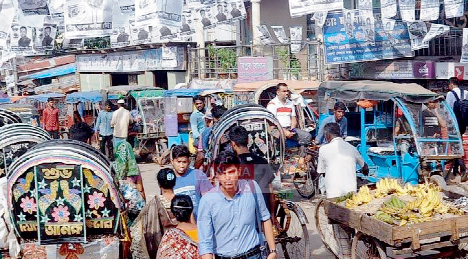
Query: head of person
point(332, 130)
point(182, 208)
point(77, 117)
point(282, 91)
point(199, 102)
point(121, 103)
point(226, 168)
point(108, 106)
point(348, 17)
point(453, 83)
point(217, 111)
point(339, 110)
point(122, 30)
point(23, 31)
point(50, 102)
point(47, 31)
point(180, 159)
point(388, 25)
point(166, 178)
point(233, 5)
point(239, 138)
point(202, 13)
point(368, 22)
point(433, 104)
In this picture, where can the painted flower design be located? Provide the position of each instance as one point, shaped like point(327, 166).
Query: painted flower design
point(28, 204)
point(61, 214)
point(96, 200)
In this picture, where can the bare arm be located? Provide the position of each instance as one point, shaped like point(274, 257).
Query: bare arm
point(293, 122)
point(207, 256)
point(268, 230)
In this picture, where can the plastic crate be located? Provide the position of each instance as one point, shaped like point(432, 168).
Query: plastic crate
point(286, 194)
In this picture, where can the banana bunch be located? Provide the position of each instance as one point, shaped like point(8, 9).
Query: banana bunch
point(388, 186)
point(394, 206)
point(380, 215)
point(363, 196)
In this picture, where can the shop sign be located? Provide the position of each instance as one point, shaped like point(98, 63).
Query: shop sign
point(213, 84)
point(446, 70)
point(251, 69)
point(407, 69)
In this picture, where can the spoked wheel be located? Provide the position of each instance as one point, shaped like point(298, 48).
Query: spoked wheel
point(293, 238)
point(306, 185)
point(326, 230)
point(365, 247)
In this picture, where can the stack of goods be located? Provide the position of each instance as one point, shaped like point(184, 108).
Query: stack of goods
point(397, 205)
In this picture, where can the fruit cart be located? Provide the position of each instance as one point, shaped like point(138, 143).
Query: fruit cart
point(376, 233)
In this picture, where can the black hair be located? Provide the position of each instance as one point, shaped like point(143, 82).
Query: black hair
point(48, 27)
point(166, 178)
point(182, 207)
point(180, 151)
point(23, 27)
point(239, 135)
point(198, 98)
point(217, 111)
point(225, 160)
point(279, 85)
point(339, 106)
point(50, 99)
point(453, 80)
point(332, 129)
point(109, 103)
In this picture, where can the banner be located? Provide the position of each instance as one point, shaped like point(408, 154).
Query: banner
point(436, 30)
point(159, 12)
point(388, 70)
point(366, 15)
point(169, 57)
point(21, 39)
point(265, 36)
point(388, 8)
point(45, 37)
point(205, 16)
point(73, 43)
point(454, 8)
point(236, 10)
point(85, 19)
point(299, 8)
point(120, 37)
point(349, 22)
point(140, 34)
point(127, 6)
point(407, 10)
point(7, 14)
point(429, 10)
point(417, 32)
point(388, 24)
point(38, 7)
point(296, 38)
point(280, 34)
point(341, 49)
point(464, 55)
point(320, 18)
point(188, 25)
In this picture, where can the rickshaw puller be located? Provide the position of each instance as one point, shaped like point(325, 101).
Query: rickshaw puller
point(339, 118)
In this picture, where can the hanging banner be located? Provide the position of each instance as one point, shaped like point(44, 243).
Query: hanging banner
point(464, 55)
point(341, 49)
point(56, 8)
point(127, 6)
point(204, 15)
point(73, 43)
point(296, 38)
point(85, 19)
point(120, 37)
point(236, 10)
point(38, 7)
point(429, 10)
point(188, 26)
point(159, 12)
point(320, 18)
point(368, 26)
point(21, 39)
point(265, 36)
point(349, 22)
point(407, 10)
point(169, 57)
point(436, 30)
point(7, 14)
point(45, 36)
point(454, 8)
point(388, 8)
point(388, 24)
point(299, 8)
point(417, 32)
point(280, 34)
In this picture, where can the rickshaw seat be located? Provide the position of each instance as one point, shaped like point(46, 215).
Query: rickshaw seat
point(291, 143)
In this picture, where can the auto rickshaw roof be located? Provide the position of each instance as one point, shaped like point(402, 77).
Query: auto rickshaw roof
point(298, 85)
point(376, 90)
point(19, 107)
point(125, 89)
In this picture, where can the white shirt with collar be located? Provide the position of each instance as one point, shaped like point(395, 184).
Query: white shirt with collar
point(337, 160)
point(282, 111)
point(451, 98)
point(121, 119)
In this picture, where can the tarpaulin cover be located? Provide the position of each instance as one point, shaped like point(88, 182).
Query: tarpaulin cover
point(94, 97)
point(125, 89)
point(5, 100)
point(147, 93)
point(43, 97)
point(52, 72)
point(375, 90)
point(184, 92)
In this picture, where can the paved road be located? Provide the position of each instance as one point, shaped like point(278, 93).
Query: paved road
point(150, 183)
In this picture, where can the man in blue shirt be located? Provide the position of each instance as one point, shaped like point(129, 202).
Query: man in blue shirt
point(191, 182)
point(228, 216)
point(337, 117)
point(103, 126)
point(197, 123)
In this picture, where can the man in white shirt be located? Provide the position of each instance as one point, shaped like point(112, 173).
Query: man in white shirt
point(121, 119)
point(453, 86)
point(285, 112)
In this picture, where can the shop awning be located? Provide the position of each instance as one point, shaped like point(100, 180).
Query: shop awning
point(52, 72)
point(297, 85)
point(43, 97)
point(76, 97)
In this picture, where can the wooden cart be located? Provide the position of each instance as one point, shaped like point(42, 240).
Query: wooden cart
point(372, 238)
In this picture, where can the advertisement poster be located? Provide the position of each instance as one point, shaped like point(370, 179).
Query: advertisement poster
point(296, 38)
point(349, 22)
point(417, 31)
point(436, 30)
point(236, 10)
point(299, 8)
point(388, 8)
point(159, 12)
point(454, 8)
point(320, 18)
point(91, 18)
point(387, 70)
point(188, 25)
point(464, 55)
point(265, 36)
point(407, 10)
point(388, 24)
point(38, 7)
point(251, 69)
point(120, 37)
point(7, 14)
point(45, 37)
point(127, 6)
point(169, 57)
point(205, 16)
point(341, 49)
point(429, 10)
point(21, 39)
point(280, 34)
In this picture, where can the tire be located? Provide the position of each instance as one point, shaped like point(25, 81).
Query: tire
point(326, 230)
point(307, 188)
point(439, 181)
point(294, 243)
point(365, 247)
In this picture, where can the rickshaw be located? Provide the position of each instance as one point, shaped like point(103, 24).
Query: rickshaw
point(304, 178)
point(26, 112)
point(402, 131)
point(63, 200)
point(266, 139)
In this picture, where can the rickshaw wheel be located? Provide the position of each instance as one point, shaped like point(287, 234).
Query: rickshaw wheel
point(326, 230)
point(439, 181)
point(294, 238)
point(306, 189)
point(365, 247)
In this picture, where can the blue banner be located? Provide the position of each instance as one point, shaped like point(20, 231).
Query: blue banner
point(343, 47)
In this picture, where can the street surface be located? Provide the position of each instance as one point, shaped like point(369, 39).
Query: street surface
point(148, 172)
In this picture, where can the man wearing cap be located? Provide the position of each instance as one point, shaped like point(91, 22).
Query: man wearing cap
point(120, 121)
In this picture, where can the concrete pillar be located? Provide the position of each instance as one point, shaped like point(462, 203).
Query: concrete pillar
point(256, 20)
point(200, 37)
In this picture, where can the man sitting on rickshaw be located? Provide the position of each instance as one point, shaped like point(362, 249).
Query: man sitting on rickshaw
point(285, 111)
point(339, 118)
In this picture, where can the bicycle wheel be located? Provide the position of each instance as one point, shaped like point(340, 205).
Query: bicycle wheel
point(325, 230)
point(306, 186)
point(293, 240)
point(365, 247)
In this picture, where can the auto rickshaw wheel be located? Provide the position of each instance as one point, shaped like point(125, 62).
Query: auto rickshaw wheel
point(438, 180)
point(366, 247)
